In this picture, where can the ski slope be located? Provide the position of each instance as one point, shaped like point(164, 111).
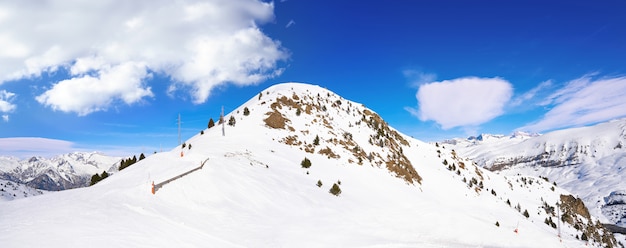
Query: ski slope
point(253, 192)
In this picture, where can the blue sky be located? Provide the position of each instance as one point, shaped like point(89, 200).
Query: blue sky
point(113, 76)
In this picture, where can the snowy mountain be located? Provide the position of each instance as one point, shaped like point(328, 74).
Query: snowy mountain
point(588, 161)
point(300, 166)
point(61, 172)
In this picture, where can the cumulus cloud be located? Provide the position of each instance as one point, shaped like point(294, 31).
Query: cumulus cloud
point(87, 94)
point(5, 118)
point(582, 101)
point(5, 101)
point(463, 102)
point(116, 45)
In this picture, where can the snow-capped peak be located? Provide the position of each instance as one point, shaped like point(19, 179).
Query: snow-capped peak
point(298, 165)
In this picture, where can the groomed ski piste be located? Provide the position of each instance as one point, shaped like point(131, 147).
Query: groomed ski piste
point(253, 191)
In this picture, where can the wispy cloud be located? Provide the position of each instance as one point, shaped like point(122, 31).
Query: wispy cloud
point(23, 147)
point(198, 44)
point(290, 23)
point(5, 101)
point(463, 102)
point(531, 94)
point(582, 101)
point(417, 78)
point(6, 105)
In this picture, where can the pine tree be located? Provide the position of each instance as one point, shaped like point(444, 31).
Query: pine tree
point(104, 175)
point(95, 179)
point(298, 112)
point(306, 163)
point(122, 164)
point(319, 183)
point(211, 123)
point(246, 111)
point(141, 156)
point(584, 237)
point(526, 213)
point(335, 190)
point(232, 121)
point(134, 160)
point(316, 141)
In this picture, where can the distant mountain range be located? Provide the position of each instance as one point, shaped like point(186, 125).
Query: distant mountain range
point(588, 161)
point(67, 171)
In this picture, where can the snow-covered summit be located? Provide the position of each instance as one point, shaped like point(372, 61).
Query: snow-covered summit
point(247, 183)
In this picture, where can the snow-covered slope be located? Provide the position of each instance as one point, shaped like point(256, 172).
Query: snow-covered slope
point(589, 161)
point(61, 172)
point(11, 190)
point(253, 191)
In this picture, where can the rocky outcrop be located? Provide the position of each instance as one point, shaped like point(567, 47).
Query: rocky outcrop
point(576, 214)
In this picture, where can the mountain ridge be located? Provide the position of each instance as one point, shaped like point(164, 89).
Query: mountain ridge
point(61, 172)
point(588, 161)
point(255, 191)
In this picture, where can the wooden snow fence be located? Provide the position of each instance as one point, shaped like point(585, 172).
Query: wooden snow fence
point(156, 187)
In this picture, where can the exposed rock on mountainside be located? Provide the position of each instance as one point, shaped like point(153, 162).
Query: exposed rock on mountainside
point(588, 161)
point(302, 163)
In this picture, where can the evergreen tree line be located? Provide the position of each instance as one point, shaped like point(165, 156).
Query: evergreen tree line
point(130, 161)
point(124, 163)
point(97, 178)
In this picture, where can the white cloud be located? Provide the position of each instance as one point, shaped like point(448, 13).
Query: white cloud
point(417, 78)
point(531, 94)
point(5, 101)
point(5, 118)
point(581, 102)
point(462, 102)
point(87, 94)
point(23, 147)
point(198, 44)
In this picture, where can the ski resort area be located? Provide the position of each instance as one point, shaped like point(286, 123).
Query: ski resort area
point(365, 185)
point(262, 123)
